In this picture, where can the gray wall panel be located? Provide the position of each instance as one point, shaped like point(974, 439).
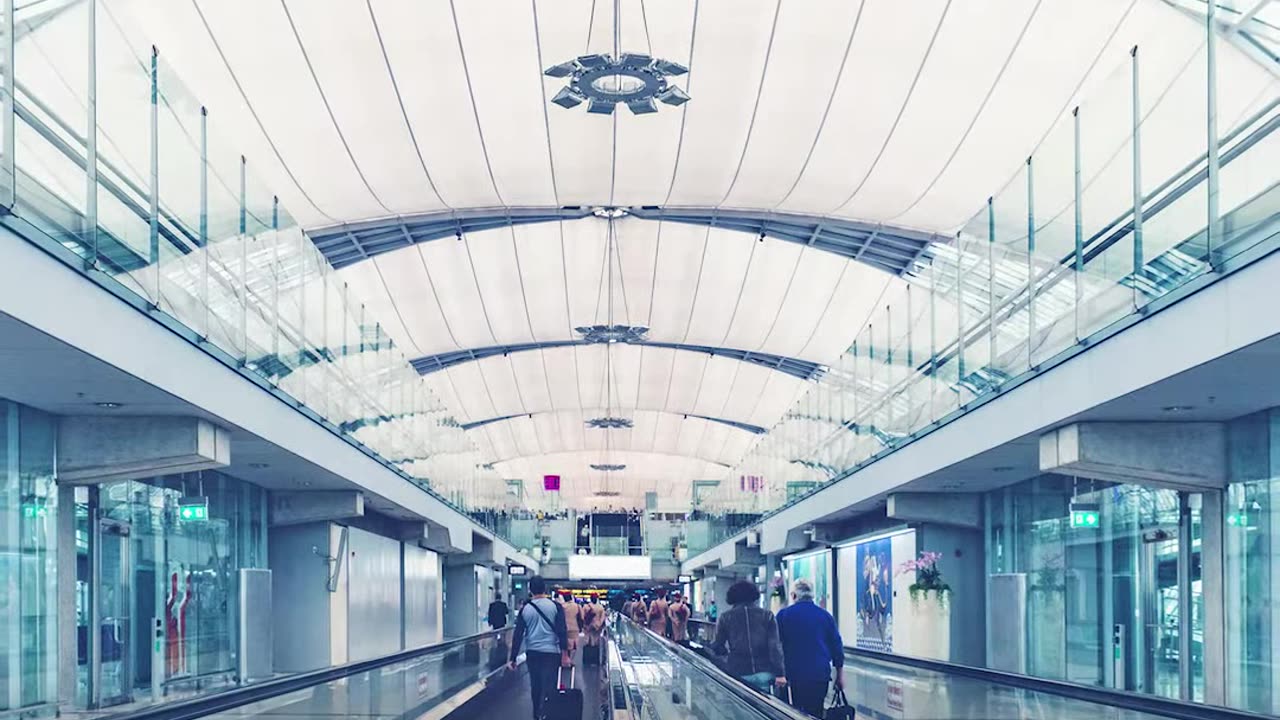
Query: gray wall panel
point(373, 596)
point(300, 596)
point(422, 597)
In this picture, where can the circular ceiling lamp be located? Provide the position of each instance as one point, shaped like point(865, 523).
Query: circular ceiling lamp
point(610, 423)
point(636, 80)
point(607, 467)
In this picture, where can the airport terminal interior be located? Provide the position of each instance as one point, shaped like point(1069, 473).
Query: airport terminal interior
point(330, 330)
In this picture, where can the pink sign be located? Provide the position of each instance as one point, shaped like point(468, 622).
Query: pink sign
point(551, 483)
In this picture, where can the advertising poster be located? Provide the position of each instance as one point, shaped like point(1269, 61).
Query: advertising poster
point(875, 595)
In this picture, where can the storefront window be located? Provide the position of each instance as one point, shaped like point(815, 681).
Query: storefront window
point(28, 561)
point(182, 567)
point(1252, 541)
point(1092, 568)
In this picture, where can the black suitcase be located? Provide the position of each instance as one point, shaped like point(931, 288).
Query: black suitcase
point(565, 703)
point(591, 655)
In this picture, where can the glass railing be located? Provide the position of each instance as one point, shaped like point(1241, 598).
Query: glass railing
point(407, 684)
point(674, 683)
point(1107, 219)
point(153, 204)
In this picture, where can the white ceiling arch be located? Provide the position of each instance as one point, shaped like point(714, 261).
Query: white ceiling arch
point(878, 114)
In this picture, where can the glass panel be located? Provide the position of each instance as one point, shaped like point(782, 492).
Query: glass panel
point(115, 621)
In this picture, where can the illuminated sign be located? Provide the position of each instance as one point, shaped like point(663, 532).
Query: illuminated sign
point(551, 483)
point(610, 567)
point(683, 579)
point(1085, 516)
point(517, 570)
point(193, 509)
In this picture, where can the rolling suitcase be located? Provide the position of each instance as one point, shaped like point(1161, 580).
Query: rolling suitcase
point(565, 703)
point(591, 655)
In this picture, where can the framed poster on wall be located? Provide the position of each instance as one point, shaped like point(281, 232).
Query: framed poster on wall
point(870, 590)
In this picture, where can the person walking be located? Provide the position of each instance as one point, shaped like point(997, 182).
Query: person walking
point(713, 612)
point(498, 613)
point(593, 619)
point(658, 612)
point(540, 626)
point(639, 611)
point(748, 634)
point(811, 646)
point(572, 619)
point(679, 613)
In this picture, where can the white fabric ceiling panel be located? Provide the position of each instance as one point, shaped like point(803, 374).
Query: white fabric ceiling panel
point(808, 297)
point(503, 295)
point(644, 146)
point(635, 254)
point(949, 91)
point(421, 42)
point(543, 276)
point(379, 141)
point(582, 171)
point(893, 40)
point(772, 267)
point(510, 114)
point(728, 56)
point(532, 380)
point(722, 272)
point(675, 286)
point(803, 66)
point(451, 274)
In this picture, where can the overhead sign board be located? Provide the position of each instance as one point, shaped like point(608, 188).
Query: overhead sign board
point(610, 567)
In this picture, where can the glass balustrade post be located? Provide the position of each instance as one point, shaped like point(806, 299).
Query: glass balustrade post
point(91, 138)
point(855, 418)
point(1211, 130)
point(991, 285)
point(933, 339)
point(275, 287)
point(911, 331)
point(10, 177)
point(888, 362)
point(154, 211)
point(302, 352)
point(1136, 142)
point(960, 368)
point(1031, 266)
point(244, 270)
point(873, 407)
point(1078, 225)
point(204, 220)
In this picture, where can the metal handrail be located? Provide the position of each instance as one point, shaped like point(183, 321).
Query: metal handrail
point(1148, 704)
point(765, 704)
point(269, 689)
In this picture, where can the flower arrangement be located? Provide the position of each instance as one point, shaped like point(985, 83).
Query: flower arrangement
point(778, 588)
point(928, 576)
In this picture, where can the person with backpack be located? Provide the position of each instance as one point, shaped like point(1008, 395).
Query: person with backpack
point(639, 611)
point(811, 646)
point(572, 619)
point(748, 634)
point(540, 626)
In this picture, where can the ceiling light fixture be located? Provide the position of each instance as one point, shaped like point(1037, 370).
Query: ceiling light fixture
point(612, 333)
point(1178, 408)
point(610, 423)
point(609, 212)
point(109, 405)
point(1002, 468)
point(636, 80)
point(259, 465)
point(607, 467)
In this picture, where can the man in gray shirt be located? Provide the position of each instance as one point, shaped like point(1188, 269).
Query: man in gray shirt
point(540, 625)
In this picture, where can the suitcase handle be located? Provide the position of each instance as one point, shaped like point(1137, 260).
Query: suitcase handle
point(560, 678)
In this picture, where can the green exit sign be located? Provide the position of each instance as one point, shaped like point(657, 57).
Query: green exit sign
point(1085, 516)
point(193, 509)
point(1241, 520)
point(34, 511)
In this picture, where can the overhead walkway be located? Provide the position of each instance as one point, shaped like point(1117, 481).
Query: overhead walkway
point(646, 676)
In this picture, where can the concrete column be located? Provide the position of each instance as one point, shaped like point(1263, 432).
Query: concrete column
point(963, 568)
point(95, 449)
point(1185, 456)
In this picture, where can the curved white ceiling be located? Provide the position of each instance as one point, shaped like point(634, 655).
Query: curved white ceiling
point(904, 113)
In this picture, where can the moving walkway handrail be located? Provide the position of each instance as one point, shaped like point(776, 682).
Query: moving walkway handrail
point(767, 705)
point(268, 689)
point(1136, 702)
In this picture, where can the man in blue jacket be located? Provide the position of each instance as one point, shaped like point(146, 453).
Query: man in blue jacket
point(811, 645)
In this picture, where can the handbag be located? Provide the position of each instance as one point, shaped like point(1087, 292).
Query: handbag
point(841, 710)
